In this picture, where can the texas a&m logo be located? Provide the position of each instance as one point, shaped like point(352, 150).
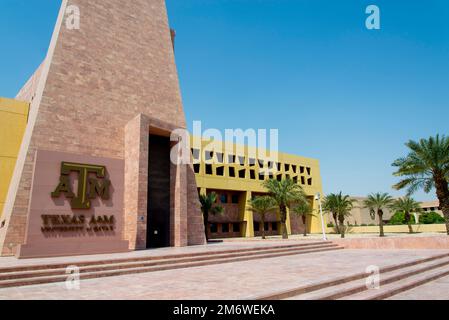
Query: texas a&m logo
point(92, 182)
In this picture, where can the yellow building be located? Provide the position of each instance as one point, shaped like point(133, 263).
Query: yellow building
point(236, 174)
point(13, 121)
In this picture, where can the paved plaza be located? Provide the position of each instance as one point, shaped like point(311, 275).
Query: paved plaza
point(229, 281)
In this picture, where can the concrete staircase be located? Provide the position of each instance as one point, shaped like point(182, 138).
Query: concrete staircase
point(393, 280)
point(51, 273)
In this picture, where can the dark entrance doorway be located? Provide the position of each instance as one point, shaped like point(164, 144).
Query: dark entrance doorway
point(158, 222)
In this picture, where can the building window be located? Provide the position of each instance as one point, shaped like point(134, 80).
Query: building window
point(220, 157)
point(220, 171)
point(209, 155)
point(236, 227)
point(235, 199)
point(266, 226)
point(309, 171)
point(209, 169)
point(252, 162)
point(197, 168)
point(309, 181)
point(224, 198)
point(242, 174)
point(232, 172)
point(302, 170)
point(253, 175)
point(196, 154)
point(261, 164)
point(274, 226)
point(261, 177)
point(242, 161)
point(294, 168)
point(213, 228)
point(287, 167)
point(225, 228)
point(279, 177)
point(231, 159)
point(256, 226)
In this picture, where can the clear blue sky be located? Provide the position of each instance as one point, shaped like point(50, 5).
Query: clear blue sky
point(336, 91)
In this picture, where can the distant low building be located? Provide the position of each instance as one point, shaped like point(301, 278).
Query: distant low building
point(361, 215)
point(432, 206)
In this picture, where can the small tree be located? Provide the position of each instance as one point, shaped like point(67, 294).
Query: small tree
point(407, 206)
point(304, 209)
point(330, 206)
point(208, 207)
point(262, 206)
point(377, 203)
point(340, 207)
point(285, 193)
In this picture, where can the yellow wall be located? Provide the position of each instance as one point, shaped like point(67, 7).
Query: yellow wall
point(13, 121)
point(247, 185)
point(396, 229)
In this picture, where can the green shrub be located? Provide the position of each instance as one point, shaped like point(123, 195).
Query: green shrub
point(330, 225)
point(431, 218)
point(364, 225)
point(399, 219)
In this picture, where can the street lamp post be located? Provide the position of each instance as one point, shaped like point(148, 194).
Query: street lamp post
point(318, 198)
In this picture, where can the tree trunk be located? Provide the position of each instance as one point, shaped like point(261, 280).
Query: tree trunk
point(342, 228)
point(381, 223)
point(283, 222)
point(304, 220)
point(441, 185)
point(408, 220)
point(206, 224)
point(337, 227)
point(262, 220)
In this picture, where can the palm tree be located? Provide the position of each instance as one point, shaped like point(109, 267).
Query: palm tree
point(407, 206)
point(426, 167)
point(304, 209)
point(377, 203)
point(285, 193)
point(262, 206)
point(208, 207)
point(330, 205)
point(340, 207)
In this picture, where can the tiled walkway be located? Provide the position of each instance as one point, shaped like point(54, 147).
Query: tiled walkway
point(240, 280)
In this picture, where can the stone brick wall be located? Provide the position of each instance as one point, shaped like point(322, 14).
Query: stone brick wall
point(118, 65)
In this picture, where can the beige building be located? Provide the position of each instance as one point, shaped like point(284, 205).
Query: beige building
point(432, 206)
point(361, 215)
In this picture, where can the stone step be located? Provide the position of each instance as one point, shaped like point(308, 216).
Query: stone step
point(34, 280)
point(64, 265)
point(102, 266)
point(394, 288)
point(329, 284)
point(356, 287)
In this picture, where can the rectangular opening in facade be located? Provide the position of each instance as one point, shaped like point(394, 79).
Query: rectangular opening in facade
point(232, 172)
point(209, 169)
point(253, 175)
point(158, 210)
point(220, 171)
point(197, 168)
